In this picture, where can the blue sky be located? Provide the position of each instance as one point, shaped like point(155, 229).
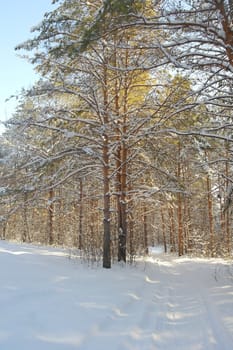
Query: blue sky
point(17, 17)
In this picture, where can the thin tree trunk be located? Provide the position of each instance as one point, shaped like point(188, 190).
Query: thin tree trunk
point(172, 230)
point(145, 230)
point(60, 217)
point(124, 156)
point(51, 218)
point(123, 208)
point(189, 224)
point(210, 214)
point(107, 231)
point(4, 229)
point(227, 214)
point(180, 227)
point(131, 225)
point(221, 207)
point(25, 233)
point(106, 180)
point(119, 177)
point(80, 234)
point(163, 230)
point(179, 214)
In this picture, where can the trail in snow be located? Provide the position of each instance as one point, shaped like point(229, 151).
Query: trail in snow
point(50, 302)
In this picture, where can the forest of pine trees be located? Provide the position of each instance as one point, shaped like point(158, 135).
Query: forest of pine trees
point(125, 141)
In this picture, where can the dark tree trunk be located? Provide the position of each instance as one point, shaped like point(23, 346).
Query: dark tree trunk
point(107, 228)
point(145, 229)
point(163, 230)
point(51, 217)
point(106, 180)
point(179, 209)
point(80, 234)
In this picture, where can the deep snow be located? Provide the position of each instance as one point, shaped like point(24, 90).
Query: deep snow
point(49, 301)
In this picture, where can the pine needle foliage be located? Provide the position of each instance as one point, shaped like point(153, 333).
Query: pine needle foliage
point(110, 14)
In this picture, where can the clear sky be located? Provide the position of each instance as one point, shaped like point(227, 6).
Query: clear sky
point(17, 17)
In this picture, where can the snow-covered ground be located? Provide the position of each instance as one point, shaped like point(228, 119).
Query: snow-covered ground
point(48, 301)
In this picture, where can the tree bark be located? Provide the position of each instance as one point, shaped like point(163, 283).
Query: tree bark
point(25, 233)
point(122, 241)
point(80, 233)
point(227, 212)
point(145, 230)
point(51, 218)
point(210, 214)
point(172, 230)
point(106, 180)
point(179, 213)
point(107, 230)
point(163, 230)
